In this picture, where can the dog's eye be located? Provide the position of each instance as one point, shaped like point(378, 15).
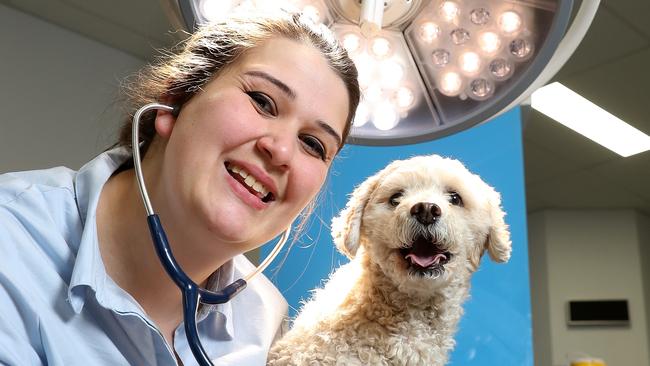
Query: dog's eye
point(394, 199)
point(455, 199)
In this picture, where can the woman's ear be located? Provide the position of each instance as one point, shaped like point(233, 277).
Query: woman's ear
point(165, 120)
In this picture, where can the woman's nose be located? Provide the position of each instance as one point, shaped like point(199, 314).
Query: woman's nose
point(278, 147)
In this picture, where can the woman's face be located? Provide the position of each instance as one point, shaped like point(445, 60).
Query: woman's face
point(248, 152)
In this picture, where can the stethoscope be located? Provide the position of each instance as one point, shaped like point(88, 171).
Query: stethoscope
point(193, 294)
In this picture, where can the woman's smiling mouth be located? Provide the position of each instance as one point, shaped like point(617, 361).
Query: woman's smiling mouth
point(248, 181)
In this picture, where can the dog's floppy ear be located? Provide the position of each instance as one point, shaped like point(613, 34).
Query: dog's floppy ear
point(346, 226)
point(497, 241)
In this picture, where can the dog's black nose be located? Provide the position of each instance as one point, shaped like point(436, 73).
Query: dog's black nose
point(426, 212)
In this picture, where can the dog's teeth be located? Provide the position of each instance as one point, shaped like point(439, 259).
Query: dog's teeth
point(244, 174)
point(236, 169)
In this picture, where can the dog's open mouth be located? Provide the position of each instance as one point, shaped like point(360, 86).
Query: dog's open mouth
point(426, 255)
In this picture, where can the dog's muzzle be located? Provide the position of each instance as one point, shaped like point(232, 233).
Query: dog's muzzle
point(426, 255)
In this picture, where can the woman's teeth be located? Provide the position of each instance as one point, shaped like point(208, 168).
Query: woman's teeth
point(249, 180)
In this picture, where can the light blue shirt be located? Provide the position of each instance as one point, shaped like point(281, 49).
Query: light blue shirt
point(58, 306)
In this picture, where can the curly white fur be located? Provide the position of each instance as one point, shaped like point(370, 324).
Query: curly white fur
point(375, 310)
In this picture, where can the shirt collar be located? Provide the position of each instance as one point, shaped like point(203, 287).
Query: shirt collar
point(89, 271)
point(220, 313)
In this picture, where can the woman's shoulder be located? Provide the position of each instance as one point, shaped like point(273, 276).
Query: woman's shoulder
point(16, 186)
point(37, 207)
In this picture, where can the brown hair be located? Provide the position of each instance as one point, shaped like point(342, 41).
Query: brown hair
point(213, 47)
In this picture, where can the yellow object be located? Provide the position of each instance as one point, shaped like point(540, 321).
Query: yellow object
point(588, 362)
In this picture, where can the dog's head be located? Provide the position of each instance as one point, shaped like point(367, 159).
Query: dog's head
point(424, 221)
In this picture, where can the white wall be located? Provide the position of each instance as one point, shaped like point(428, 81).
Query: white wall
point(57, 90)
point(587, 255)
point(539, 288)
point(643, 223)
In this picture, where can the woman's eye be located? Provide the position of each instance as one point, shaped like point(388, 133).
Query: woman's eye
point(455, 199)
point(263, 102)
point(395, 198)
point(314, 146)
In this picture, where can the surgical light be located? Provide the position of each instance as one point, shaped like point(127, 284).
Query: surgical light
point(428, 68)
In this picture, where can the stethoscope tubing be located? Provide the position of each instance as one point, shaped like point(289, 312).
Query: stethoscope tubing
point(192, 293)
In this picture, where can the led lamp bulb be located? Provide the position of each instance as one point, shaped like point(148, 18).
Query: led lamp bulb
point(460, 36)
point(449, 10)
point(479, 16)
point(510, 22)
point(351, 42)
point(380, 47)
point(372, 93)
point(500, 69)
point(440, 57)
point(385, 117)
point(404, 98)
point(521, 49)
point(489, 42)
point(450, 83)
point(429, 32)
point(470, 62)
point(480, 89)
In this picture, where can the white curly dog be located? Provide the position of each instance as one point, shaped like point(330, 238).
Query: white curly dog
point(415, 233)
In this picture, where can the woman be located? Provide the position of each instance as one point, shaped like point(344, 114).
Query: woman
point(265, 105)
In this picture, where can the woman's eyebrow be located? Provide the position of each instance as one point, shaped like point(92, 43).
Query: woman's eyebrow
point(282, 86)
point(292, 95)
point(329, 130)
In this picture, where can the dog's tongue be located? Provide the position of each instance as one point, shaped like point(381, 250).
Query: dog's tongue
point(426, 260)
point(424, 253)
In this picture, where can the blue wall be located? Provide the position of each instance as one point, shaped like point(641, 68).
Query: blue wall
point(496, 328)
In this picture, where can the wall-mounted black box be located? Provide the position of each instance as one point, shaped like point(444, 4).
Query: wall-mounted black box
point(598, 312)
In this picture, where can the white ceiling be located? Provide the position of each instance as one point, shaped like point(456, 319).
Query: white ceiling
point(563, 169)
point(610, 68)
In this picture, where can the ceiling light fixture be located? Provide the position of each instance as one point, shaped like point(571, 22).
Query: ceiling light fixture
point(579, 114)
point(429, 68)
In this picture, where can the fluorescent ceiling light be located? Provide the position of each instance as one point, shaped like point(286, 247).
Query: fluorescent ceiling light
point(574, 111)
